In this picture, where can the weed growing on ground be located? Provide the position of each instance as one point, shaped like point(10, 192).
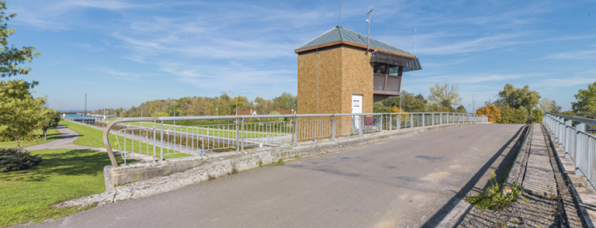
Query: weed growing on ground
point(234, 171)
point(516, 221)
point(260, 163)
point(297, 156)
point(280, 162)
point(492, 198)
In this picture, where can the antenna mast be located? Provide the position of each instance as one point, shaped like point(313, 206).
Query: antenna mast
point(368, 21)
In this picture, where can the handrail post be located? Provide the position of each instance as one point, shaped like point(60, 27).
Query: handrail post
point(411, 120)
point(398, 119)
point(237, 134)
point(390, 121)
point(440, 118)
point(333, 126)
point(154, 140)
point(295, 129)
point(361, 130)
point(242, 134)
point(423, 119)
point(161, 149)
point(433, 118)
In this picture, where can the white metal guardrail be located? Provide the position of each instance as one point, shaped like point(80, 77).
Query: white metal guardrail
point(577, 143)
point(151, 136)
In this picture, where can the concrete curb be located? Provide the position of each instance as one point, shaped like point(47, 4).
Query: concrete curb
point(518, 170)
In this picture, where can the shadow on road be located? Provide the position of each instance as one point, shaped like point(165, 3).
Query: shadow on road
point(469, 186)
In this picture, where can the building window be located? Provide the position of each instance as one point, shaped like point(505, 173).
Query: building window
point(380, 68)
point(393, 70)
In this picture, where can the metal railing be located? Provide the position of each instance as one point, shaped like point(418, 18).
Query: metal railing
point(152, 137)
point(577, 143)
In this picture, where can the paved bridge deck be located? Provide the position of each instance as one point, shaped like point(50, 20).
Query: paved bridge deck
point(410, 182)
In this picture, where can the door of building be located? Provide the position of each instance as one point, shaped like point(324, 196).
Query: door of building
point(356, 109)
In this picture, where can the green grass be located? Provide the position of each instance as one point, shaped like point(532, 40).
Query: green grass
point(92, 137)
point(26, 195)
point(231, 133)
point(53, 134)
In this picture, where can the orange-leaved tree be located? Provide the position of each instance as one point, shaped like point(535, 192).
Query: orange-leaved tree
point(493, 113)
point(398, 110)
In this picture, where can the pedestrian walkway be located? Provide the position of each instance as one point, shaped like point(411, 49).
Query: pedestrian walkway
point(542, 203)
point(64, 142)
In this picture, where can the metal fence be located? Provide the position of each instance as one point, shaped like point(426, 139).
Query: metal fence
point(152, 137)
point(577, 143)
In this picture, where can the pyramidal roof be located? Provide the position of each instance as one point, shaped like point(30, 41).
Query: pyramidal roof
point(340, 34)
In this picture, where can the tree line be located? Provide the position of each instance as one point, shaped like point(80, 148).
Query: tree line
point(205, 106)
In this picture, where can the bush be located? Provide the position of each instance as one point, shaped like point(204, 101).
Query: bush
point(492, 112)
point(11, 160)
point(511, 115)
point(536, 116)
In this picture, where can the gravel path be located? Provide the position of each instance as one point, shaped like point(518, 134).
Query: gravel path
point(64, 142)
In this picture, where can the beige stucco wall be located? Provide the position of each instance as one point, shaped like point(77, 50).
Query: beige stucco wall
point(357, 74)
point(342, 71)
point(319, 82)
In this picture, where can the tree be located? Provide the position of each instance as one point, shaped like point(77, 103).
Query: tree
point(461, 109)
point(445, 95)
point(285, 101)
point(585, 104)
point(263, 106)
point(49, 119)
point(548, 105)
point(513, 115)
point(492, 112)
point(536, 116)
point(11, 56)
point(161, 114)
point(19, 111)
point(517, 98)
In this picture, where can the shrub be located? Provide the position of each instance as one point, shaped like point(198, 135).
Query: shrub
point(536, 116)
point(492, 112)
point(511, 115)
point(11, 159)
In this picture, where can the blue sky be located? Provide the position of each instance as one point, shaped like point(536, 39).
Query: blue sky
point(124, 52)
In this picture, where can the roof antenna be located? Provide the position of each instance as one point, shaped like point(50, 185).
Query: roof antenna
point(368, 21)
point(339, 12)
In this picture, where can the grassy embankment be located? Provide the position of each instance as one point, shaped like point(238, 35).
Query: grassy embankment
point(92, 137)
point(27, 195)
point(52, 134)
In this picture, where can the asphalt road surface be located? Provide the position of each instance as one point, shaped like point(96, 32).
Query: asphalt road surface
point(408, 182)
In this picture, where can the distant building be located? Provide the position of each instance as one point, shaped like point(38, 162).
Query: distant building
point(339, 73)
point(247, 112)
point(285, 111)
